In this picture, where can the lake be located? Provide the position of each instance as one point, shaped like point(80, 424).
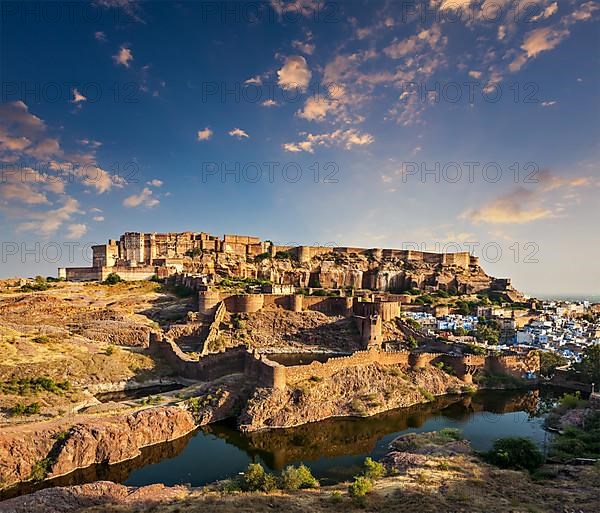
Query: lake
point(334, 449)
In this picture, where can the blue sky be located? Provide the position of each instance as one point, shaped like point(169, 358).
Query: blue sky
point(470, 125)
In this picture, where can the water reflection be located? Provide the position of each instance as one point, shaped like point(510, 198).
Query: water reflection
point(333, 449)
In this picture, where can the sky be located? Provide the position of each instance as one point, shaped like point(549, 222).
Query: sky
point(450, 125)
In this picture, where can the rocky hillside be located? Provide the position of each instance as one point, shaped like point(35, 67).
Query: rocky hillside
point(58, 343)
point(356, 391)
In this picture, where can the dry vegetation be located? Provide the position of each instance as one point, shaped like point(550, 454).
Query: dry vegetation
point(292, 331)
point(88, 335)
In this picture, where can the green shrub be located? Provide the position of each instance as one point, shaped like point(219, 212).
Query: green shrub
point(22, 409)
point(571, 401)
point(450, 434)
point(360, 487)
point(182, 291)
point(34, 385)
point(373, 469)
point(40, 470)
point(112, 279)
point(412, 342)
point(295, 478)
point(336, 497)
point(255, 479)
point(40, 284)
point(109, 350)
point(269, 483)
point(579, 442)
point(426, 394)
point(518, 453)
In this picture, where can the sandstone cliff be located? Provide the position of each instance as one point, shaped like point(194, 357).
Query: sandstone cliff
point(356, 391)
point(53, 449)
point(339, 270)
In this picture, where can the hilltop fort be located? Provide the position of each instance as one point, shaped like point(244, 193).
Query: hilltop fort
point(140, 256)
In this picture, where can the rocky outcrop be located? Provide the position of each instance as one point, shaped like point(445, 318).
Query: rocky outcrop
point(77, 498)
point(119, 333)
point(355, 391)
point(341, 270)
point(55, 449)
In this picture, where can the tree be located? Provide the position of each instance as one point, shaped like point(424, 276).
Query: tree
point(487, 334)
point(589, 367)
point(463, 307)
point(549, 361)
point(519, 453)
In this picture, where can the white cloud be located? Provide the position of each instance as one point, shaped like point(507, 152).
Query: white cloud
point(542, 39)
point(270, 103)
point(454, 4)
point(316, 108)
point(345, 138)
point(99, 179)
point(123, 56)
point(416, 42)
point(294, 73)
point(99, 36)
point(302, 7)
point(155, 183)
point(549, 103)
point(48, 222)
point(547, 12)
point(306, 47)
point(205, 134)
point(130, 7)
point(76, 231)
point(144, 198)
point(98, 219)
point(45, 149)
point(257, 80)
point(475, 74)
point(521, 205)
point(77, 97)
point(238, 133)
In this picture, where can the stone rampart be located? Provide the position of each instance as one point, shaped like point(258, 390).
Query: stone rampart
point(515, 365)
point(213, 329)
point(207, 368)
point(244, 303)
point(334, 365)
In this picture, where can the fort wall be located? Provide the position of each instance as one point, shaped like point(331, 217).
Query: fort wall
point(244, 303)
point(271, 374)
point(101, 273)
